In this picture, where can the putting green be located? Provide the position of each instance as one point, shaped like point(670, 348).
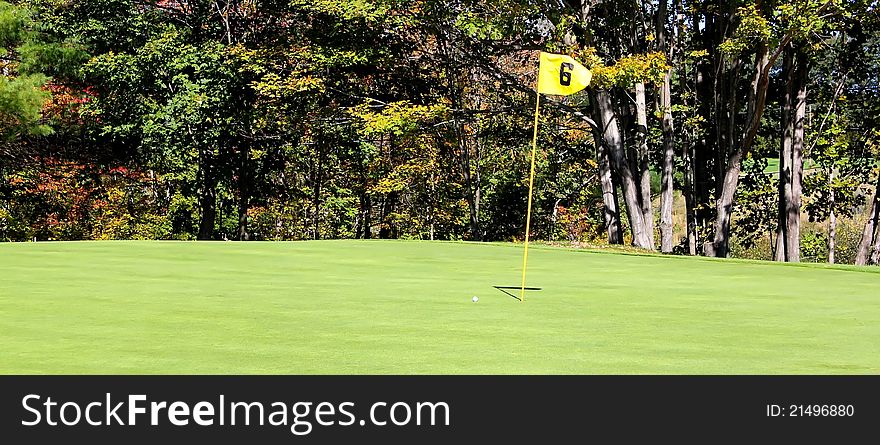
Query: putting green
point(396, 307)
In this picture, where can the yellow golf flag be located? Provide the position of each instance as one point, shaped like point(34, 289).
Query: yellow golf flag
point(561, 75)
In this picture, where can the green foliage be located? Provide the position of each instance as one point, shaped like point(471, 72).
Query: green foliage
point(753, 28)
point(13, 26)
point(840, 169)
point(21, 103)
point(478, 27)
point(757, 194)
point(814, 247)
point(407, 119)
point(22, 86)
point(759, 247)
point(367, 11)
point(769, 23)
point(849, 234)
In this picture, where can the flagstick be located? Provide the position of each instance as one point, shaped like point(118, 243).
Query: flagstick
point(522, 291)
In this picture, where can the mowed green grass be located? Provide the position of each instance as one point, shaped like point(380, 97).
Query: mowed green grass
point(394, 307)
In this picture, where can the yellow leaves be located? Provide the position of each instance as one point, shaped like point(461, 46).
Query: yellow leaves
point(388, 185)
point(397, 118)
point(257, 154)
point(647, 68)
point(753, 27)
point(274, 86)
point(798, 20)
point(406, 130)
point(872, 143)
point(399, 177)
point(370, 11)
point(265, 65)
point(575, 136)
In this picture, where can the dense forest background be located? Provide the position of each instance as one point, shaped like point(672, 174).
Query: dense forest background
point(741, 128)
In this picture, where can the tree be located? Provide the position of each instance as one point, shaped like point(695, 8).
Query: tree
point(791, 156)
point(23, 86)
point(795, 22)
point(667, 45)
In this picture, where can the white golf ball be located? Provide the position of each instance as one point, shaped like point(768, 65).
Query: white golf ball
point(475, 299)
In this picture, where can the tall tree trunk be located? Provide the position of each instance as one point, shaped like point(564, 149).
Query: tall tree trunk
point(317, 183)
point(785, 168)
point(702, 151)
point(875, 256)
point(799, 114)
point(613, 225)
point(367, 211)
point(667, 233)
point(478, 192)
point(473, 209)
point(388, 230)
point(243, 195)
point(208, 210)
point(720, 244)
point(473, 201)
point(642, 162)
point(609, 194)
point(689, 191)
point(791, 155)
point(207, 196)
point(832, 218)
point(666, 195)
point(631, 191)
point(690, 202)
point(871, 228)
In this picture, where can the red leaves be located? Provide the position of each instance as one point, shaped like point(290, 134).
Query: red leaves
point(65, 102)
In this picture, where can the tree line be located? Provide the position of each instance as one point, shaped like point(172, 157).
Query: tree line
point(713, 128)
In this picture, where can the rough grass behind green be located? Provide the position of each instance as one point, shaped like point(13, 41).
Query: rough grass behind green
point(405, 308)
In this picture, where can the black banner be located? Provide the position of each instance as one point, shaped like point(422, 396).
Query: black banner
point(418, 409)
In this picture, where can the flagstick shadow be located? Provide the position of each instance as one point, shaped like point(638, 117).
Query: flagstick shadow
point(504, 289)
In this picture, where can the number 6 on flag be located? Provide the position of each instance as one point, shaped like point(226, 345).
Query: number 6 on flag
point(561, 75)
